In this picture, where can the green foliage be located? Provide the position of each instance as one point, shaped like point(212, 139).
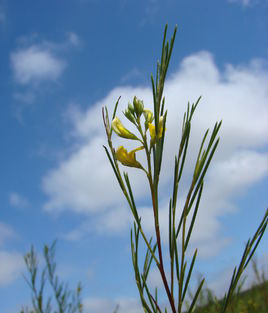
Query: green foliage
point(252, 300)
point(63, 300)
point(150, 127)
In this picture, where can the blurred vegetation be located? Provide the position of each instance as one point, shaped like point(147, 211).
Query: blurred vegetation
point(64, 300)
point(252, 300)
point(49, 294)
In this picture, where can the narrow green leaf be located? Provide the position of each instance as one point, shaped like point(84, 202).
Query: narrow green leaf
point(194, 217)
point(114, 169)
point(115, 108)
point(189, 275)
point(196, 296)
point(133, 206)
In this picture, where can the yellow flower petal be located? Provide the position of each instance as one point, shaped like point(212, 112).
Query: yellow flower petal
point(152, 130)
point(148, 115)
point(121, 131)
point(128, 158)
point(160, 129)
point(161, 121)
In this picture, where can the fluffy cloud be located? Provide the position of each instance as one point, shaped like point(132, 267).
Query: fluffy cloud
point(243, 2)
point(87, 169)
point(11, 262)
point(11, 267)
point(99, 305)
point(35, 64)
point(238, 95)
point(248, 3)
point(73, 39)
point(220, 281)
point(6, 233)
point(17, 200)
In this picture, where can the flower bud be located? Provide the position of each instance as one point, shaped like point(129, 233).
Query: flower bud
point(131, 108)
point(129, 116)
point(138, 106)
point(148, 115)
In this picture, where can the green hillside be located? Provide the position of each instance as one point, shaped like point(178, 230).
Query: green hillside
point(253, 300)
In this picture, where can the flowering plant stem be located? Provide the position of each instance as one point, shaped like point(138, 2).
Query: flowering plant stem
point(151, 129)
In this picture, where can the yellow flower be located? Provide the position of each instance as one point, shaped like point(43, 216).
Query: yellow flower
point(121, 131)
point(148, 115)
point(128, 158)
point(160, 129)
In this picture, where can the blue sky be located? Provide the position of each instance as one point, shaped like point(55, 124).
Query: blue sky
point(61, 61)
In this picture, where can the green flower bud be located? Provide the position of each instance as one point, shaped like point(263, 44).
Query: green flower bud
point(131, 108)
point(129, 116)
point(138, 106)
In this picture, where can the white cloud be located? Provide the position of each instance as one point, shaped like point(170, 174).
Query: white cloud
point(234, 174)
point(244, 3)
point(11, 262)
point(116, 220)
point(27, 97)
point(132, 75)
point(11, 267)
point(34, 64)
point(100, 305)
point(248, 3)
point(17, 200)
point(85, 193)
point(73, 39)
point(6, 233)
point(151, 9)
point(219, 282)
point(37, 61)
point(84, 181)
